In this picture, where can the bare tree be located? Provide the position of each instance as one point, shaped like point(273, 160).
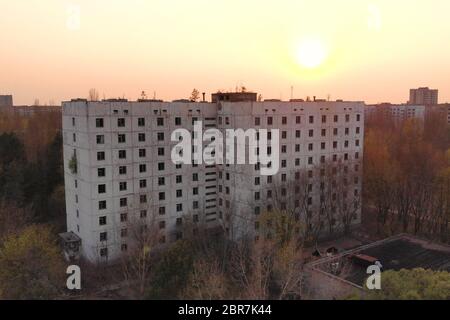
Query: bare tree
point(145, 236)
point(93, 95)
point(195, 95)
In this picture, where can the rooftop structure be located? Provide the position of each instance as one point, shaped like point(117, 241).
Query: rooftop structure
point(343, 273)
point(233, 97)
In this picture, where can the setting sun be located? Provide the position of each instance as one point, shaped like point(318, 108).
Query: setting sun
point(311, 53)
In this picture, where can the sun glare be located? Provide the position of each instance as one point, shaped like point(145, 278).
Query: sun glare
point(311, 53)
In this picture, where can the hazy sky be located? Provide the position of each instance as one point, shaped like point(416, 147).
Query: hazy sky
point(370, 50)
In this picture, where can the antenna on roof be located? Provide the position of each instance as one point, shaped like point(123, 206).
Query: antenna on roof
point(292, 92)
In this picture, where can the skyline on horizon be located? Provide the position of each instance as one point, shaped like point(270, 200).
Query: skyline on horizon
point(359, 50)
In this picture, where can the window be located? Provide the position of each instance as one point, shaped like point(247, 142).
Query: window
point(311, 119)
point(195, 191)
point(161, 166)
point(324, 132)
point(284, 120)
point(101, 172)
point(121, 138)
point(143, 198)
point(358, 117)
point(257, 121)
point(298, 119)
point(195, 206)
point(73, 122)
point(123, 202)
point(297, 133)
point(142, 153)
point(179, 179)
point(122, 186)
point(311, 133)
point(297, 148)
point(335, 131)
point(310, 160)
point(161, 152)
point(74, 137)
point(160, 136)
point(121, 122)
point(162, 225)
point(323, 145)
point(103, 252)
point(101, 188)
point(347, 118)
point(179, 209)
point(160, 122)
point(195, 177)
point(142, 168)
point(310, 147)
point(141, 137)
point(122, 170)
point(123, 217)
point(179, 221)
point(101, 156)
point(336, 118)
point(324, 119)
point(99, 123)
point(142, 183)
point(257, 181)
point(179, 193)
point(141, 122)
point(102, 205)
point(122, 154)
point(161, 181)
point(162, 196)
point(100, 139)
point(358, 130)
point(162, 211)
point(269, 121)
point(102, 221)
point(178, 121)
point(284, 135)
point(123, 233)
point(103, 236)
point(143, 214)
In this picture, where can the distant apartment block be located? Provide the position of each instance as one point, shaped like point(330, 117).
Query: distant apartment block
point(443, 109)
point(6, 101)
point(423, 96)
point(397, 112)
point(118, 166)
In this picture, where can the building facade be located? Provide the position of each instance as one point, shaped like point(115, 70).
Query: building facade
point(119, 169)
point(398, 112)
point(6, 101)
point(423, 96)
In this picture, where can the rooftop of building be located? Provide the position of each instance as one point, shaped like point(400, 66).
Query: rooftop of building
point(395, 253)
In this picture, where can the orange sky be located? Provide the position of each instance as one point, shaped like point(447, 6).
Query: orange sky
point(375, 50)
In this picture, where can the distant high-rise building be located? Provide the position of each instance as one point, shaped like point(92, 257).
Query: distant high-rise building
point(6, 101)
point(423, 96)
